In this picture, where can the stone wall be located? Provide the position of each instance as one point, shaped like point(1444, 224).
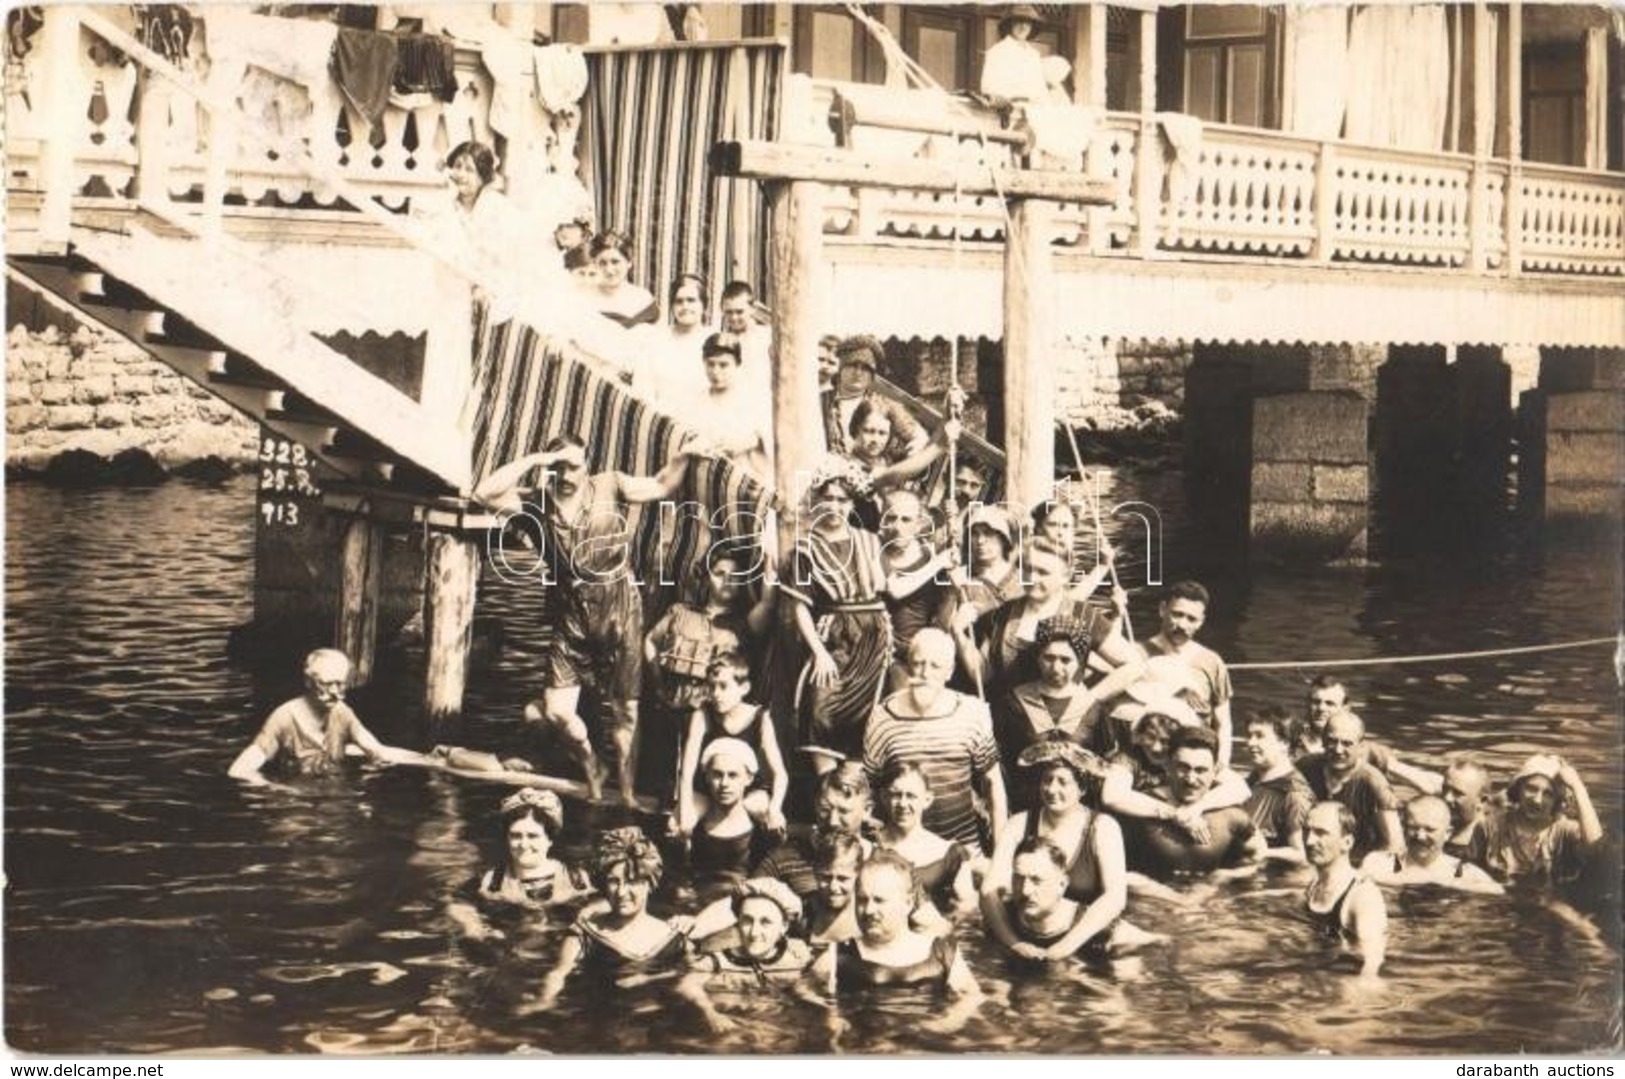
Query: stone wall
point(69, 387)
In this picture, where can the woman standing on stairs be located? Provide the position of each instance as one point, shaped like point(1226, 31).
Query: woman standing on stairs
point(593, 601)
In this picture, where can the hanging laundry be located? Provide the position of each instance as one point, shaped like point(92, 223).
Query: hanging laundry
point(166, 29)
point(425, 64)
point(511, 68)
point(364, 65)
point(1182, 136)
point(561, 76)
point(21, 26)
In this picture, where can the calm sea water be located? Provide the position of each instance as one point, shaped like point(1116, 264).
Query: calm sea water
point(153, 905)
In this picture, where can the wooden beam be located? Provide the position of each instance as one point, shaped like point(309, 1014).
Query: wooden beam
point(925, 111)
point(1029, 376)
point(451, 571)
point(361, 574)
point(797, 224)
point(758, 160)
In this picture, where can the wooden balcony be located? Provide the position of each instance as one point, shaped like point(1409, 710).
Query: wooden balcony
point(1254, 195)
point(1442, 247)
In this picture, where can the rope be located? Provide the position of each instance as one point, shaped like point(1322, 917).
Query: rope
point(1435, 657)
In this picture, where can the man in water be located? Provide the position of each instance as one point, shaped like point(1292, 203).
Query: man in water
point(314, 728)
point(1465, 783)
point(1426, 820)
point(1340, 774)
point(1344, 907)
point(1163, 848)
point(843, 805)
point(1183, 613)
point(1328, 697)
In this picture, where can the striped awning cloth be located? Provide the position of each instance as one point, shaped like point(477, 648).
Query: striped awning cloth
point(530, 389)
point(649, 120)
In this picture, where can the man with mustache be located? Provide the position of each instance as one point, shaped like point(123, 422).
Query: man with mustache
point(1340, 774)
point(1183, 613)
point(314, 729)
point(842, 808)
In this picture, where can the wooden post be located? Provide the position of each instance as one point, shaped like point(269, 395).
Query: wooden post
point(1512, 76)
point(1089, 56)
point(152, 137)
point(1596, 98)
point(361, 577)
point(1029, 376)
point(1148, 174)
point(1483, 91)
point(1325, 203)
point(451, 571)
point(797, 209)
point(1089, 88)
point(61, 119)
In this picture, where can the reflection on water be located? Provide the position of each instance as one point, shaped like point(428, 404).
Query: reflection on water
point(154, 905)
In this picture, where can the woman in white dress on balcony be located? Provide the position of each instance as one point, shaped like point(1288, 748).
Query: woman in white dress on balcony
point(671, 373)
point(618, 298)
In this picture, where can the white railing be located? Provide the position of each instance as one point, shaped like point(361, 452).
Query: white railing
point(167, 149)
point(1248, 193)
point(1571, 221)
point(1398, 207)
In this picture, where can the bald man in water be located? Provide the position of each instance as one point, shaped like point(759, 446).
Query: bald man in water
point(1340, 774)
point(314, 730)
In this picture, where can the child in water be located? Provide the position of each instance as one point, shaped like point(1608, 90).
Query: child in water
point(726, 714)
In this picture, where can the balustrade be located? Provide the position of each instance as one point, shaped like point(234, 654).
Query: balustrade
point(1247, 193)
point(1393, 206)
point(1572, 221)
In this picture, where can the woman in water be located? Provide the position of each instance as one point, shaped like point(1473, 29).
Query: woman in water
point(621, 944)
point(766, 957)
point(526, 876)
point(1087, 850)
point(1535, 842)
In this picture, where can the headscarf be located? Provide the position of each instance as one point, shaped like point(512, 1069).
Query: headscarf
point(626, 846)
point(731, 748)
point(771, 889)
point(543, 802)
point(1070, 630)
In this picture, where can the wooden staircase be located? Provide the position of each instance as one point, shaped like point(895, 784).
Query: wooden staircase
point(214, 315)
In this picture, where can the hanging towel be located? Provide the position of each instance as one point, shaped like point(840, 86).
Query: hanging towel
point(1320, 69)
point(511, 68)
point(295, 49)
point(424, 65)
point(1183, 135)
point(561, 76)
point(1061, 132)
point(364, 63)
